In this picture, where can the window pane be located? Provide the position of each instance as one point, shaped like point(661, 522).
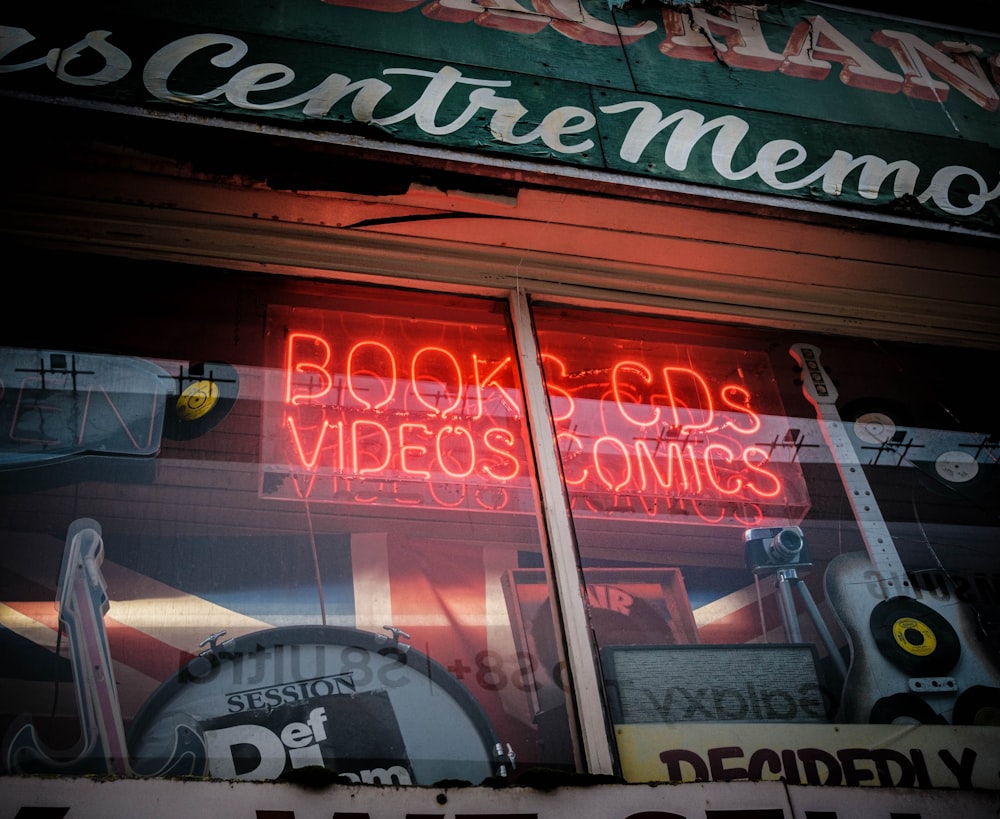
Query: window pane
point(281, 522)
point(715, 501)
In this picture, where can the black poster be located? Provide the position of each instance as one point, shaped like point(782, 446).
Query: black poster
point(355, 735)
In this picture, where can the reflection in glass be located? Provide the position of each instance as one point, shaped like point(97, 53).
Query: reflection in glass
point(826, 523)
point(301, 562)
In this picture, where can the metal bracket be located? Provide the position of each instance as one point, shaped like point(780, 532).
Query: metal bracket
point(933, 685)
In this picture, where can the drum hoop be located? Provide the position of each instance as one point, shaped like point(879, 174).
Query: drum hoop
point(158, 701)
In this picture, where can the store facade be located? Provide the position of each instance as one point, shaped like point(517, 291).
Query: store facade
point(470, 399)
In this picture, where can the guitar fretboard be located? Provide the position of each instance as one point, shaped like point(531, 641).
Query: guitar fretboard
point(819, 389)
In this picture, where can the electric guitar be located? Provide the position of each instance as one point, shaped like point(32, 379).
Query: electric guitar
point(910, 660)
point(102, 749)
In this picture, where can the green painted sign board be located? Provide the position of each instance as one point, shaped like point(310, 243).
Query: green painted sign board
point(795, 99)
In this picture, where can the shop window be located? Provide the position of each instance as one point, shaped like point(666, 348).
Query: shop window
point(256, 527)
point(825, 510)
point(266, 528)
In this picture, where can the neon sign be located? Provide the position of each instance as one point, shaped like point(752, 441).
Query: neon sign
point(55, 405)
point(371, 413)
point(666, 439)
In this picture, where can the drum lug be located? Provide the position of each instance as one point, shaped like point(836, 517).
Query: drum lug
point(501, 756)
point(396, 634)
point(211, 642)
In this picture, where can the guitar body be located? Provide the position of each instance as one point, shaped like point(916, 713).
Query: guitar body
point(912, 661)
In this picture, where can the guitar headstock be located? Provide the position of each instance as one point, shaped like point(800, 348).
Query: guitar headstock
point(84, 553)
point(816, 382)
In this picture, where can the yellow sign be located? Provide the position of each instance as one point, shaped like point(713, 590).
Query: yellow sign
point(906, 756)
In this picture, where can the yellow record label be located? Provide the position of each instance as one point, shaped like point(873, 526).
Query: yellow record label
point(197, 400)
point(913, 636)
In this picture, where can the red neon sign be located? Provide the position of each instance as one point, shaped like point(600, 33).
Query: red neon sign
point(653, 440)
point(390, 420)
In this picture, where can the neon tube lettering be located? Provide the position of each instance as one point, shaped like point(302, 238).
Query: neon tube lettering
point(748, 514)
point(456, 378)
point(749, 455)
point(399, 494)
point(702, 397)
point(448, 454)
point(294, 365)
point(708, 460)
point(560, 368)
point(28, 418)
point(379, 435)
point(490, 381)
point(698, 509)
point(491, 498)
point(673, 453)
point(568, 460)
point(508, 439)
point(308, 461)
point(417, 449)
point(648, 445)
point(602, 472)
point(616, 386)
point(459, 491)
point(743, 407)
point(352, 373)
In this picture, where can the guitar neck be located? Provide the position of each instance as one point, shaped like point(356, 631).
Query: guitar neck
point(83, 602)
point(819, 389)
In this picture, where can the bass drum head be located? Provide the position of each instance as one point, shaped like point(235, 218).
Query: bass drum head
point(360, 705)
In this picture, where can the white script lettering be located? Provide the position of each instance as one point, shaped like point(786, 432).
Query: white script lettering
point(956, 190)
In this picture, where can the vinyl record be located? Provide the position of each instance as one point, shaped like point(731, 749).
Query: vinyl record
point(960, 473)
point(875, 421)
point(906, 709)
point(978, 705)
point(914, 637)
point(949, 460)
point(205, 393)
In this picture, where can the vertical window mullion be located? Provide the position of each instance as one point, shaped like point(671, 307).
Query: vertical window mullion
point(585, 687)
